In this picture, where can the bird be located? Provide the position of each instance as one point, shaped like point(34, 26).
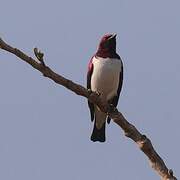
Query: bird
point(104, 76)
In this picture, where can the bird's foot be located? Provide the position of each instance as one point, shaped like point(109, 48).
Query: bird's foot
point(94, 96)
point(97, 92)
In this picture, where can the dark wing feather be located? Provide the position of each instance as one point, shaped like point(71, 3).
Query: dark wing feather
point(115, 99)
point(89, 74)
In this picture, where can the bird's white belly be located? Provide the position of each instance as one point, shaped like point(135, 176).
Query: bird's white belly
point(105, 76)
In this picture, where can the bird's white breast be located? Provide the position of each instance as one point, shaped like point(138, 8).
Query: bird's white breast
point(105, 76)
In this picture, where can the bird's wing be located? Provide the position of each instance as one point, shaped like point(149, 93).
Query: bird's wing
point(89, 74)
point(115, 99)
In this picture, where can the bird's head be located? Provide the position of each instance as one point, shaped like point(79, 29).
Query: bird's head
point(107, 45)
point(108, 42)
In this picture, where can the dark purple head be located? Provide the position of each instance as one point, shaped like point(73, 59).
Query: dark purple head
point(107, 46)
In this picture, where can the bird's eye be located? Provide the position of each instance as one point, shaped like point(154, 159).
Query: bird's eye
point(107, 37)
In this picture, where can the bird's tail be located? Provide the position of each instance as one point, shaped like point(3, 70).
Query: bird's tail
point(98, 134)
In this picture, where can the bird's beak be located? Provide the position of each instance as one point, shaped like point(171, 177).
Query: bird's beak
point(112, 37)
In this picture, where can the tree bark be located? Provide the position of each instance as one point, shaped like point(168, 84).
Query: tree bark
point(130, 130)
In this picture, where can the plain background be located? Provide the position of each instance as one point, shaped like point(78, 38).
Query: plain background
point(45, 129)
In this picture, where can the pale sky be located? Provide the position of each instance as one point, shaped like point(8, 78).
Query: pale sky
point(45, 129)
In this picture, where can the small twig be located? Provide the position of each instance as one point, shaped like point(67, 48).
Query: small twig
point(130, 130)
point(39, 55)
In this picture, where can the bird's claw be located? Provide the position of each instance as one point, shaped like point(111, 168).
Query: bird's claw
point(97, 93)
point(93, 95)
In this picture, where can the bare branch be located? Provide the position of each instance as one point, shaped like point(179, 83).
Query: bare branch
point(130, 131)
